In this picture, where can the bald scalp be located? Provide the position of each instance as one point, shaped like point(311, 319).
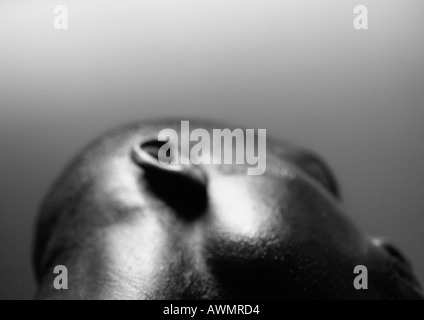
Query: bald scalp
point(63, 215)
point(74, 214)
point(57, 226)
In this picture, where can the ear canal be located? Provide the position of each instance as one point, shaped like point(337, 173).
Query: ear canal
point(181, 186)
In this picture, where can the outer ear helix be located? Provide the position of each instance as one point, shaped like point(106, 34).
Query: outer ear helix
point(146, 155)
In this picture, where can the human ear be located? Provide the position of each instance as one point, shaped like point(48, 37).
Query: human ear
point(182, 186)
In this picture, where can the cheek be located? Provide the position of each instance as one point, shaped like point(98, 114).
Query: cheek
point(242, 207)
point(246, 222)
point(284, 235)
point(268, 207)
point(256, 218)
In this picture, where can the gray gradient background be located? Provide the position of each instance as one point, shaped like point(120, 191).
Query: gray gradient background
point(297, 68)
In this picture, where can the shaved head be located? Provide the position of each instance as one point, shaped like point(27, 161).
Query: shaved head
point(128, 226)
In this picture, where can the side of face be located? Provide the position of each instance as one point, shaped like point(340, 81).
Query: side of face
point(127, 226)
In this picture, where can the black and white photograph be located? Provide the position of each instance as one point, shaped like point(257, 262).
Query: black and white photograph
point(206, 150)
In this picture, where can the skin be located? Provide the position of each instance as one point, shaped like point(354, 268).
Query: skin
point(129, 227)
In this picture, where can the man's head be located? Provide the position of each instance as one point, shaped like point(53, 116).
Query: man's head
point(128, 226)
